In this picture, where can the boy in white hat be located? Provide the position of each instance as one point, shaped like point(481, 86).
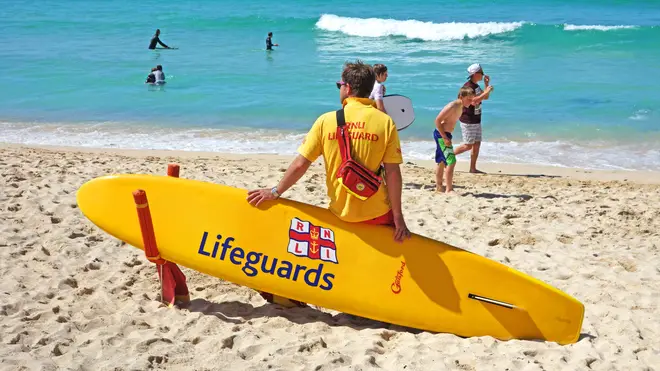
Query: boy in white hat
point(471, 118)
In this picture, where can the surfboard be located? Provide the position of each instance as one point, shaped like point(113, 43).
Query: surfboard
point(400, 109)
point(304, 252)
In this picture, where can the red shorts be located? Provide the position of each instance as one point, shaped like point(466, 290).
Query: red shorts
point(386, 219)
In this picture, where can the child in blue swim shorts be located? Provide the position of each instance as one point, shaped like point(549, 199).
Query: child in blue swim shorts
point(444, 150)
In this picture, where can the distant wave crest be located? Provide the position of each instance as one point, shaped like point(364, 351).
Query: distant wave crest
point(572, 27)
point(412, 29)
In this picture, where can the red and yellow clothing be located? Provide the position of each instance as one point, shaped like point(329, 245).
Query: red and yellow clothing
point(374, 140)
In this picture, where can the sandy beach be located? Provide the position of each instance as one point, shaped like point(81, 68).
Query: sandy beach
point(74, 298)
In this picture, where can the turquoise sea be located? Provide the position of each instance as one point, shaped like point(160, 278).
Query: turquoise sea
point(576, 82)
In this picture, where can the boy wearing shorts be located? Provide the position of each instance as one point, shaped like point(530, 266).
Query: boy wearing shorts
point(444, 126)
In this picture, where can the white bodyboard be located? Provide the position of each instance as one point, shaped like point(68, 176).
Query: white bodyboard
point(400, 109)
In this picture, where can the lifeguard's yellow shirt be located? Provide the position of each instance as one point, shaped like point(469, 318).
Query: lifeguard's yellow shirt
point(374, 140)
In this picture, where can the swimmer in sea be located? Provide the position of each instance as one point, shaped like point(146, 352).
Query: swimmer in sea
point(156, 40)
point(156, 77)
point(269, 42)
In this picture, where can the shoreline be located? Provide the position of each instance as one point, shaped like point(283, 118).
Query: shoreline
point(491, 168)
point(594, 154)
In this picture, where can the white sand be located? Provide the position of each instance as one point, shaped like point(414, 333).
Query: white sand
point(73, 298)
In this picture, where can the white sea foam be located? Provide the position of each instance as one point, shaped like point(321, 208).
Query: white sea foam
point(640, 115)
point(572, 27)
point(412, 29)
point(110, 135)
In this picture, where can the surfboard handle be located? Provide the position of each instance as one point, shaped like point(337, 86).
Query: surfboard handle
point(491, 301)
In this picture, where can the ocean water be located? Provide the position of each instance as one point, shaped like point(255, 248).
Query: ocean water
point(576, 82)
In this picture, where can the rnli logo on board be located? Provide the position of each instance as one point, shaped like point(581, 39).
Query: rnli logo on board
point(360, 187)
point(396, 285)
point(311, 241)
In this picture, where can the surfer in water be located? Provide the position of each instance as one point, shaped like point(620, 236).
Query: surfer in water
point(378, 91)
point(156, 40)
point(269, 42)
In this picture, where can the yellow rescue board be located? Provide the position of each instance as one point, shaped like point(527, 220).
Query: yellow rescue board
point(305, 253)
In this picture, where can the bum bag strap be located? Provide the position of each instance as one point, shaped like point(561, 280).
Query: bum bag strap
point(342, 138)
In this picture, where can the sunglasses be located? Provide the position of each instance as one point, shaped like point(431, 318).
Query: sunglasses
point(339, 84)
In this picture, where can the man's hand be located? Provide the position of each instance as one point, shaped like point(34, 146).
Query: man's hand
point(486, 79)
point(400, 229)
point(489, 89)
point(257, 196)
point(447, 142)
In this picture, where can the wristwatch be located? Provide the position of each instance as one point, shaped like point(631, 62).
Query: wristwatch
point(274, 192)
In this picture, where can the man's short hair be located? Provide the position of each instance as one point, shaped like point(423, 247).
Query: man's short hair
point(379, 69)
point(465, 92)
point(360, 76)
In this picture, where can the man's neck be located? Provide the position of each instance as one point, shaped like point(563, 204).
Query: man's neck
point(354, 99)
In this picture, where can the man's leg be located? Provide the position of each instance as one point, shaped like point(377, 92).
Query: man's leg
point(439, 171)
point(473, 158)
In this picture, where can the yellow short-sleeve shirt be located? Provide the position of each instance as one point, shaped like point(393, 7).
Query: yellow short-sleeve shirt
point(374, 140)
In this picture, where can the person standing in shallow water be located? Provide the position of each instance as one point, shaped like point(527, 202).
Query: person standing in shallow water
point(471, 117)
point(269, 42)
point(156, 40)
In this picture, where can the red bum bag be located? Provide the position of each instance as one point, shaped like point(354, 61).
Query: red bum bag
point(353, 176)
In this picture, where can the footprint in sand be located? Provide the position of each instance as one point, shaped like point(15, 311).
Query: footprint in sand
point(71, 282)
point(157, 360)
point(75, 235)
point(314, 346)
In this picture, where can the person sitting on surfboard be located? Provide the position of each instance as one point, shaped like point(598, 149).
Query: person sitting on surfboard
point(378, 91)
point(445, 123)
point(156, 40)
point(269, 42)
point(374, 141)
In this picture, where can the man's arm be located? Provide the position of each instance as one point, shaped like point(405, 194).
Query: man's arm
point(296, 170)
point(308, 152)
point(394, 187)
point(483, 96)
point(161, 43)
